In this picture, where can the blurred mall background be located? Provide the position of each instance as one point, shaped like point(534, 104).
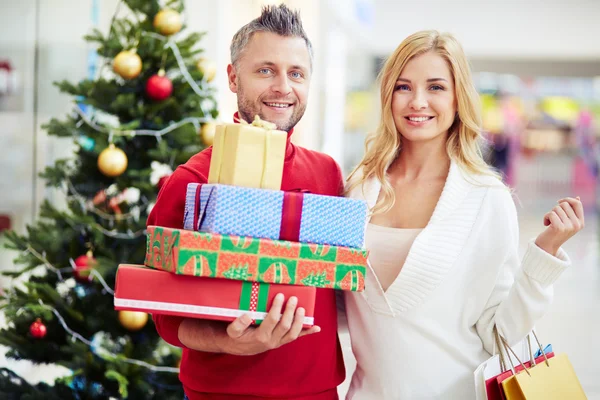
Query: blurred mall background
point(536, 64)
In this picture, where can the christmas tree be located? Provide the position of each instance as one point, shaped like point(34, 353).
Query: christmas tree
point(147, 111)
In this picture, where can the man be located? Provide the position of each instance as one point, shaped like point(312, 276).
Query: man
point(270, 71)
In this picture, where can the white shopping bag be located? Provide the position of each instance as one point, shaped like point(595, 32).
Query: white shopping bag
point(491, 367)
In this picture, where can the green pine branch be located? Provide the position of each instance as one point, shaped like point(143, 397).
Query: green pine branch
point(60, 128)
point(13, 387)
point(148, 8)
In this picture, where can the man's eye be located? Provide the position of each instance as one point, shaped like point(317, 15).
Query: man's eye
point(297, 75)
point(264, 71)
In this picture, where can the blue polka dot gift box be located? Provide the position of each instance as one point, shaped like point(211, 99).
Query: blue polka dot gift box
point(294, 216)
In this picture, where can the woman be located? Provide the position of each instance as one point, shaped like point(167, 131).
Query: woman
point(443, 236)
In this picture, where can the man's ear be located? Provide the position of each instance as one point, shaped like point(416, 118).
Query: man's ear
point(232, 77)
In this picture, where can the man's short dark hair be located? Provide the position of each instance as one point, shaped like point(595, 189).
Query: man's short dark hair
point(275, 19)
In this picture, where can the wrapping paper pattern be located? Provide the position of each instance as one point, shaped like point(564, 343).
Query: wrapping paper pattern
point(231, 210)
point(210, 255)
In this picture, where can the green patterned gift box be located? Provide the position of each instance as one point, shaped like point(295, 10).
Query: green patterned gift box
point(259, 260)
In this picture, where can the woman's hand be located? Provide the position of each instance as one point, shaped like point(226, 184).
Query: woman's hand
point(564, 221)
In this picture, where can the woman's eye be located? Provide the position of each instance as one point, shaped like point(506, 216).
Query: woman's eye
point(437, 87)
point(402, 87)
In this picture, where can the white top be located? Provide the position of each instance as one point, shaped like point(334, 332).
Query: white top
point(426, 335)
point(388, 248)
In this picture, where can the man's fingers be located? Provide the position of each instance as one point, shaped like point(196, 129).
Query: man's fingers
point(286, 321)
point(310, 331)
point(237, 328)
point(273, 316)
point(294, 332)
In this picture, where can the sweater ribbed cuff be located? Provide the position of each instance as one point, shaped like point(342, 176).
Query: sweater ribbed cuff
point(168, 328)
point(544, 267)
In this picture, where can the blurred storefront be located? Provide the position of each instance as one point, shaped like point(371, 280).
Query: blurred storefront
point(544, 134)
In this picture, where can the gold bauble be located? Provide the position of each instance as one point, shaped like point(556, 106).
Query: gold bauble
point(168, 21)
point(207, 133)
point(133, 320)
point(112, 161)
point(127, 64)
point(208, 68)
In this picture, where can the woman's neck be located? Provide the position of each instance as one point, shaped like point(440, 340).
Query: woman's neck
point(421, 160)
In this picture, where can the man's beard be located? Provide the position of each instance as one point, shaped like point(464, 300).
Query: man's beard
point(248, 109)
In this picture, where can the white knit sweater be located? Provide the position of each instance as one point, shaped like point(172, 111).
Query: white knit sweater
point(425, 336)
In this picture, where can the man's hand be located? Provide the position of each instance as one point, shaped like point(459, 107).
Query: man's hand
point(240, 338)
point(272, 333)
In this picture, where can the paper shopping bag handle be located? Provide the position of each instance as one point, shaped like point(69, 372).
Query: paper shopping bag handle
point(507, 348)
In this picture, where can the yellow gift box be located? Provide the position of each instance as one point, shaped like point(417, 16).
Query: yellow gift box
point(248, 155)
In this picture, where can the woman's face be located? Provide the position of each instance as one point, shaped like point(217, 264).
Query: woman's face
point(424, 101)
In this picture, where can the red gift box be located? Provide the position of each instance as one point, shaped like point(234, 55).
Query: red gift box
point(158, 292)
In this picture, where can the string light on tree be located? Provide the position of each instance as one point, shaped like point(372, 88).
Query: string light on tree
point(127, 64)
point(77, 336)
point(112, 162)
point(168, 22)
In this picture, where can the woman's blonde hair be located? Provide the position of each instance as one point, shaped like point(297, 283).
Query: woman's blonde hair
point(464, 135)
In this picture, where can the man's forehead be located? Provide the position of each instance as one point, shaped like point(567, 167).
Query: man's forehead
point(283, 63)
point(257, 38)
point(270, 48)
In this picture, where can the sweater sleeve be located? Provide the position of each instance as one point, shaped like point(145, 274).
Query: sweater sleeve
point(168, 212)
point(523, 290)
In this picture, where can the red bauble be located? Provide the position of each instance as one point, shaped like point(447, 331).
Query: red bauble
point(83, 264)
point(38, 329)
point(159, 87)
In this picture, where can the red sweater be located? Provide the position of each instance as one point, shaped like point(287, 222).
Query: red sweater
point(311, 367)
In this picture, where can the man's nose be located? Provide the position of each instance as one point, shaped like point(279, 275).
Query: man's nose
point(281, 85)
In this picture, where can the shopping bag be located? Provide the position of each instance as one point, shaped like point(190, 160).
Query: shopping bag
point(486, 373)
point(551, 379)
point(493, 385)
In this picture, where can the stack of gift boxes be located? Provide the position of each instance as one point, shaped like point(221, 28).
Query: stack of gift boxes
point(244, 240)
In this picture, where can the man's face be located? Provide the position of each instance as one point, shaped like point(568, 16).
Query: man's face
point(271, 79)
